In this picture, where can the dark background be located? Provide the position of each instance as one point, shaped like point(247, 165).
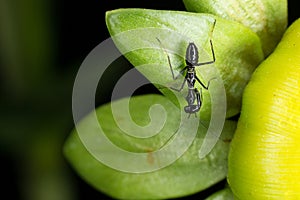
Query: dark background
point(38, 67)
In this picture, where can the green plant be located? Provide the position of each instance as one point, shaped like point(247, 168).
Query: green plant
point(238, 50)
point(264, 160)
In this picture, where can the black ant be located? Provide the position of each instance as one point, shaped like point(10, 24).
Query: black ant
point(191, 60)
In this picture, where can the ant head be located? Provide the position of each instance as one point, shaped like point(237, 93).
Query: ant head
point(191, 56)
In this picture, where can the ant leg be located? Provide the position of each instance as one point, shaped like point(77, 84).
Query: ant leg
point(211, 47)
point(213, 28)
point(181, 87)
point(199, 97)
point(213, 55)
point(169, 62)
point(180, 73)
point(208, 83)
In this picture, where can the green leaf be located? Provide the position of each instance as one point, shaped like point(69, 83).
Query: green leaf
point(267, 18)
point(186, 175)
point(224, 194)
point(237, 50)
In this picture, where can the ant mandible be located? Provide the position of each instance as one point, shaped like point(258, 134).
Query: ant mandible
point(191, 60)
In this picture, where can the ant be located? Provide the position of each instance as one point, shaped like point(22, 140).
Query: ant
point(191, 60)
